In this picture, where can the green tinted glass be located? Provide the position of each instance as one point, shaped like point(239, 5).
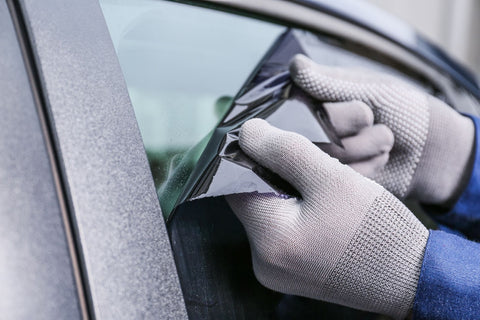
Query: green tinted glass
point(182, 65)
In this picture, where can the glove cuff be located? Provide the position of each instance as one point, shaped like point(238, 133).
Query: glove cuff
point(386, 255)
point(442, 172)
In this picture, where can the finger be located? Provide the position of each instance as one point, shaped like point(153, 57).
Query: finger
point(349, 117)
point(371, 167)
point(332, 83)
point(288, 154)
point(369, 142)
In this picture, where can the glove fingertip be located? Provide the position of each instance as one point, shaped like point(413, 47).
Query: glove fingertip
point(251, 135)
point(298, 63)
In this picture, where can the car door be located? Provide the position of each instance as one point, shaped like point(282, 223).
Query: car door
point(121, 92)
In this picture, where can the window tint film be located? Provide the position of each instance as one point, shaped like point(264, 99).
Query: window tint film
point(182, 65)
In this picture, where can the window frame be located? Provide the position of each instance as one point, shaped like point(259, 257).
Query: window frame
point(123, 246)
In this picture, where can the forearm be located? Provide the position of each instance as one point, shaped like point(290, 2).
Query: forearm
point(449, 283)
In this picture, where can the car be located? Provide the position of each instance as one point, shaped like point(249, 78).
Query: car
point(101, 102)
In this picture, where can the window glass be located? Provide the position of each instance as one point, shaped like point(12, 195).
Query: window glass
point(182, 66)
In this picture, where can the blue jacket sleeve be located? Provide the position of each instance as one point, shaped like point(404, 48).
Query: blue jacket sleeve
point(465, 214)
point(449, 283)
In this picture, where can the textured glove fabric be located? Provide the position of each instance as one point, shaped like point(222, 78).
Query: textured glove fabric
point(433, 143)
point(366, 146)
point(347, 241)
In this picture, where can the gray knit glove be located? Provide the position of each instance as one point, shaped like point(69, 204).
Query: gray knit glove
point(433, 143)
point(347, 241)
point(366, 146)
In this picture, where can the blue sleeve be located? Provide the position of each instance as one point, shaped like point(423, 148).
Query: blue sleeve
point(449, 283)
point(465, 214)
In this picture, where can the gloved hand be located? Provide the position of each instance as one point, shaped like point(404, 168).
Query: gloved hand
point(347, 241)
point(366, 146)
point(433, 143)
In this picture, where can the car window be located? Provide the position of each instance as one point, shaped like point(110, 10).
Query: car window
point(183, 65)
point(182, 70)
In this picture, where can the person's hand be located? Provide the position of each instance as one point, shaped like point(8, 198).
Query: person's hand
point(433, 143)
point(347, 240)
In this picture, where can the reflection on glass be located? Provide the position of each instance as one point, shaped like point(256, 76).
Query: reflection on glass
point(182, 66)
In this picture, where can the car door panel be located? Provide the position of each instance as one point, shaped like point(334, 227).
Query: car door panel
point(36, 270)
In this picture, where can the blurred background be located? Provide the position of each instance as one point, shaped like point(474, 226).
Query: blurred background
point(451, 24)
